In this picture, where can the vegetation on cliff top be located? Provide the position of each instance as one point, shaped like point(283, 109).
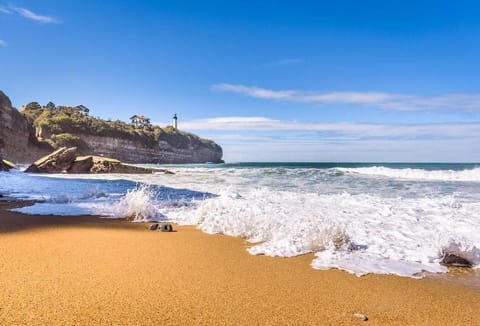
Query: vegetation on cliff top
point(64, 126)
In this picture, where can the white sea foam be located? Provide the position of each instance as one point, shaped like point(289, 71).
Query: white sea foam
point(358, 233)
point(354, 220)
point(472, 175)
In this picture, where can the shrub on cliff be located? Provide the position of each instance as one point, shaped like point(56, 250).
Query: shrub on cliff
point(67, 140)
point(66, 125)
point(31, 111)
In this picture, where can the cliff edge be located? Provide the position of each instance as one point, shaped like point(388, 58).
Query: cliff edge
point(37, 130)
point(17, 136)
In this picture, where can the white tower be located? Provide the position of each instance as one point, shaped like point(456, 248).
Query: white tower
point(175, 121)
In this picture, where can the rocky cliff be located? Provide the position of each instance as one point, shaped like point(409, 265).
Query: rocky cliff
point(138, 151)
point(17, 136)
point(36, 131)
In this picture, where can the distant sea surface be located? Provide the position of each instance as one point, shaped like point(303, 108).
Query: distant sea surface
point(395, 218)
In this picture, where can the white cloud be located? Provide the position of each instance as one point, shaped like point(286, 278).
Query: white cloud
point(468, 102)
point(3, 43)
point(265, 139)
point(26, 13)
point(356, 130)
point(255, 91)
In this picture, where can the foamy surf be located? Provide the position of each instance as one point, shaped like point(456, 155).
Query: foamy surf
point(469, 175)
point(357, 233)
point(348, 217)
point(137, 205)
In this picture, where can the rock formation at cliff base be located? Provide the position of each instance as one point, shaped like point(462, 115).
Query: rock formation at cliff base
point(65, 160)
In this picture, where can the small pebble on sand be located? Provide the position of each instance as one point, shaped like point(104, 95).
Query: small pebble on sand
point(360, 316)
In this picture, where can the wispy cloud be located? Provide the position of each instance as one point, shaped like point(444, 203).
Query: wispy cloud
point(265, 139)
point(5, 10)
point(283, 62)
point(26, 13)
point(468, 102)
point(257, 138)
point(257, 92)
point(3, 43)
point(347, 129)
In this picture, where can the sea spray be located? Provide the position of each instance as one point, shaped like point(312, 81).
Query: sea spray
point(469, 252)
point(137, 205)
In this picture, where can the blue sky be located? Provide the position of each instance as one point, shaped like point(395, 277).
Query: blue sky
point(268, 80)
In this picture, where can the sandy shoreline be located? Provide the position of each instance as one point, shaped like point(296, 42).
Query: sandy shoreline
point(85, 270)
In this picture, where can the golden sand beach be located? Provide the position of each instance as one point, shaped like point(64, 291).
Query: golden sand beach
point(90, 271)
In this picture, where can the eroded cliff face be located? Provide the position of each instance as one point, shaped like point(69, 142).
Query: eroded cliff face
point(23, 143)
point(17, 136)
point(162, 152)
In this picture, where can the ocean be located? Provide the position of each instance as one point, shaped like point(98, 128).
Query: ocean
point(379, 218)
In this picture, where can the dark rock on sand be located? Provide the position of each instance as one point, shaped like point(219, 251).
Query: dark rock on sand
point(163, 227)
point(166, 227)
point(65, 160)
point(454, 260)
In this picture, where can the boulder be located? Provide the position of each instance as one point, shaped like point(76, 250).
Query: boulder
point(82, 164)
point(454, 260)
point(95, 164)
point(64, 160)
point(57, 162)
point(106, 165)
point(110, 165)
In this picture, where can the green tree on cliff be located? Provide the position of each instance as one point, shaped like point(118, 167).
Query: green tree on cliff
point(50, 105)
point(33, 106)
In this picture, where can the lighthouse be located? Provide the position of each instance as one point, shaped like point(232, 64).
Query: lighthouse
point(175, 121)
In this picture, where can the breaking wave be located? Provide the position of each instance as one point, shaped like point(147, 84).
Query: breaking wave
point(472, 175)
point(357, 233)
point(353, 218)
point(138, 205)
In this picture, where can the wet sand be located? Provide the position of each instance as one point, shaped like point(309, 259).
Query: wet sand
point(85, 270)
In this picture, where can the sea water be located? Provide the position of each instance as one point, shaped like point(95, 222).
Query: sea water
point(362, 218)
